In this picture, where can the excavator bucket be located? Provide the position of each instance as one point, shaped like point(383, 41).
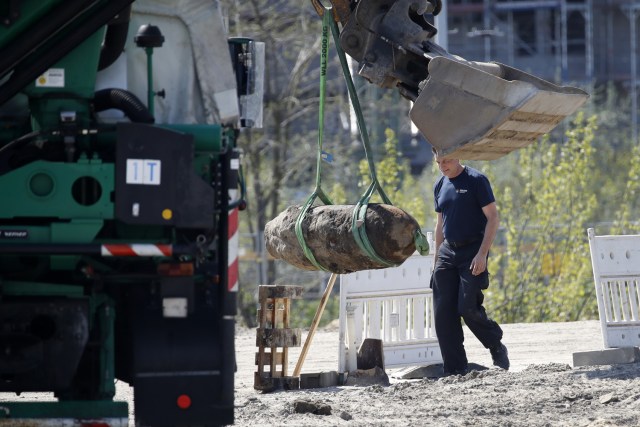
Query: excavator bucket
point(483, 114)
point(468, 110)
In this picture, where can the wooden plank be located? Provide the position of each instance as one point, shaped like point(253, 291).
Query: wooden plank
point(280, 313)
point(265, 359)
point(261, 325)
point(288, 337)
point(267, 315)
point(285, 322)
point(267, 384)
point(274, 344)
point(280, 291)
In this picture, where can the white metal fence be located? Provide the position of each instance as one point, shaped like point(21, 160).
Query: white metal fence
point(394, 305)
point(616, 272)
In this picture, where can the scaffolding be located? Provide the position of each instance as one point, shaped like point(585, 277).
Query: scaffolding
point(566, 41)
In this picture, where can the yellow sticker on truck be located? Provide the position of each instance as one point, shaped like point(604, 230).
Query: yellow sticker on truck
point(53, 77)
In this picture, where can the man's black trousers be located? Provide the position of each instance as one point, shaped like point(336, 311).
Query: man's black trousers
point(457, 293)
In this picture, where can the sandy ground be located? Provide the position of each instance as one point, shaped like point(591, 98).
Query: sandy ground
point(541, 388)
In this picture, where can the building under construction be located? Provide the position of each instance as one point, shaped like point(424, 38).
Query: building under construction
point(570, 41)
point(585, 43)
point(582, 43)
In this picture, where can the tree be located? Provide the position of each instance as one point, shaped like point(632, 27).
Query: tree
point(278, 160)
point(399, 185)
point(548, 193)
point(542, 266)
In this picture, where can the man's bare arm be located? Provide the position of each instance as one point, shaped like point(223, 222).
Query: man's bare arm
point(479, 263)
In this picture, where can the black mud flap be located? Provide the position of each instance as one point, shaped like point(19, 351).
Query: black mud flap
point(182, 368)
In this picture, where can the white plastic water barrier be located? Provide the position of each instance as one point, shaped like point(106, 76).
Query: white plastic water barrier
point(394, 305)
point(616, 272)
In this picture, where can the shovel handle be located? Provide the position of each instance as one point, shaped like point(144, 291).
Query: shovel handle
point(314, 324)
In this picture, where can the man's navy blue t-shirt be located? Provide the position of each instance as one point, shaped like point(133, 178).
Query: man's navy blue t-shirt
point(460, 200)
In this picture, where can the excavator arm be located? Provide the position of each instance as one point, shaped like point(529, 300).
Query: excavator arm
point(465, 109)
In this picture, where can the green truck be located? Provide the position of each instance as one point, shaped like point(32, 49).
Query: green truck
point(118, 226)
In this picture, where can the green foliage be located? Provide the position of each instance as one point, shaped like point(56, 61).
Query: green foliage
point(547, 194)
point(393, 175)
point(249, 308)
point(614, 143)
point(304, 310)
point(626, 224)
point(542, 267)
point(338, 194)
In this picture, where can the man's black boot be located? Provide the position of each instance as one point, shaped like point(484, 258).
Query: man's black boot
point(500, 356)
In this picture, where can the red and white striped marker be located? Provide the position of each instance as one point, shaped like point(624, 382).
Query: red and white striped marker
point(233, 248)
point(136, 249)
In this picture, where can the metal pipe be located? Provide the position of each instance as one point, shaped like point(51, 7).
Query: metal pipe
point(487, 25)
point(610, 56)
point(565, 48)
point(557, 43)
point(589, 30)
point(511, 39)
point(634, 78)
point(631, 12)
point(442, 24)
point(150, 94)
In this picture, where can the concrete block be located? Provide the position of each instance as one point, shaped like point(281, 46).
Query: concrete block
point(319, 379)
point(370, 354)
point(609, 356)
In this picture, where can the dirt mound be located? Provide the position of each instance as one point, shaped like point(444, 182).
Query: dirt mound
point(551, 394)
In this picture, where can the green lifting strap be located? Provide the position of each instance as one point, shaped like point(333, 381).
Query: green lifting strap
point(317, 192)
point(360, 210)
point(359, 213)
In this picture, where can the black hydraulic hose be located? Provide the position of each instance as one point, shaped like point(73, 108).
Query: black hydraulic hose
point(24, 138)
point(124, 101)
point(115, 39)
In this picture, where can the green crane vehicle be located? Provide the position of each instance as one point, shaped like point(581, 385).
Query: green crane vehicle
point(118, 230)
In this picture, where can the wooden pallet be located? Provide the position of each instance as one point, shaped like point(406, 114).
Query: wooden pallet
point(274, 337)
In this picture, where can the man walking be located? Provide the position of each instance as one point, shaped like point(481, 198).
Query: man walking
point(465, 228)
